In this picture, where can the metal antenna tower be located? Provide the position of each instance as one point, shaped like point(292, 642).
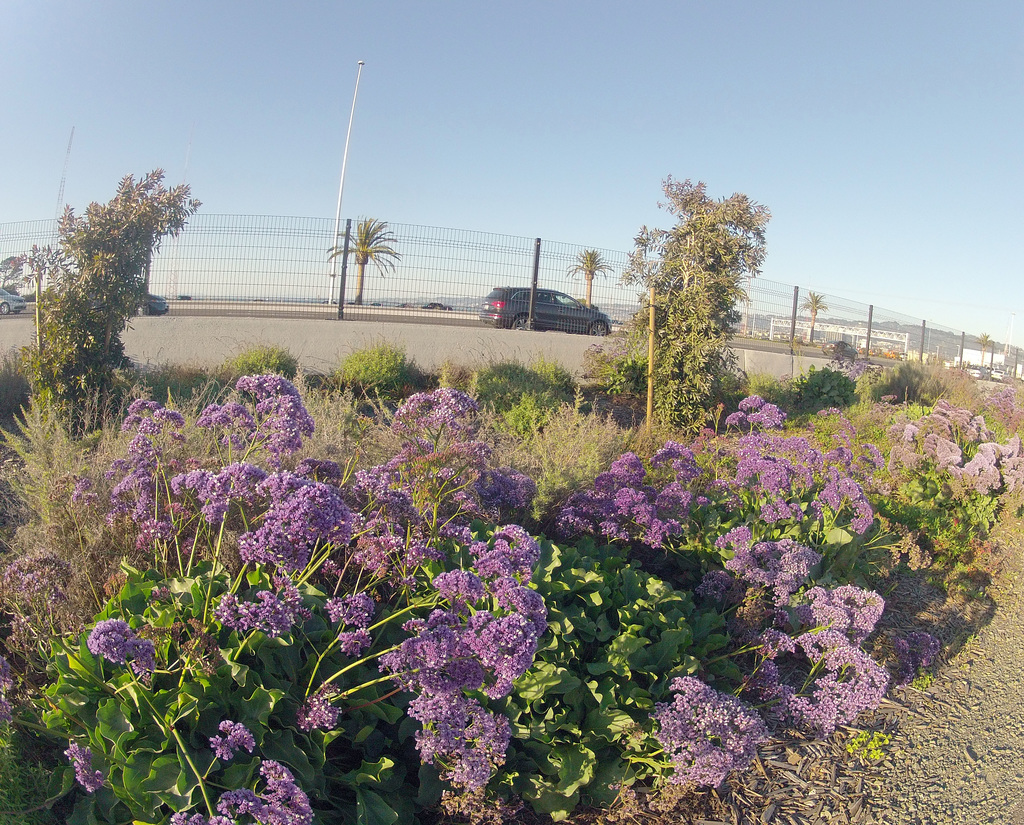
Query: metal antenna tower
point(64, 176)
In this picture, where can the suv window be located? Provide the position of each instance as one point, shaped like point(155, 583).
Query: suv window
point(566, 301)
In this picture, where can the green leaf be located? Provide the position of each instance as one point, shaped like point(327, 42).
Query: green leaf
point(371, 809)
point(545, 678)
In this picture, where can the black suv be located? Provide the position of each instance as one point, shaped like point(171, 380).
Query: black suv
point(155, 305)
point(508, 307)
point(840, 350)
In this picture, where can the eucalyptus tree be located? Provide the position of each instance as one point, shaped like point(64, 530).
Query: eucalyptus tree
point(372, 243)
point(813, 304)
point(97, 278)
point(695, 271)
point(589, 263)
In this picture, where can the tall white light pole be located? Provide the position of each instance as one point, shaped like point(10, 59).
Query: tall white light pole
point(344, 163)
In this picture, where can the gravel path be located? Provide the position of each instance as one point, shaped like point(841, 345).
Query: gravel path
point(958, 756)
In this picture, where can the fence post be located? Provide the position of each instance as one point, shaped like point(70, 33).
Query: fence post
point(923, 330)
point(867, 342)
point(533, 282)
point(344, 270)
point(960, 364)
point(792, 321)
point(650, 367)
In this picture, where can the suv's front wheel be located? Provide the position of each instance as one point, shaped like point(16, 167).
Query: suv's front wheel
point(5, 308)
point(599, 328)
point(521, 322)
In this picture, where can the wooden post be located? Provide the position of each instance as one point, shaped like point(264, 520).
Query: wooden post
point(650, 367)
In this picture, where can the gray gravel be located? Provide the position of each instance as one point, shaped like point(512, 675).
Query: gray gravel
point(959, 756)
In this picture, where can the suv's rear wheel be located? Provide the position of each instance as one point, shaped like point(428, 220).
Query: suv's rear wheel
point(5, 308)
point(599, 328)
point(521, 322)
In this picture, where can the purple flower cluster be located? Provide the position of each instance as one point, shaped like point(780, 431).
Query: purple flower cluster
point(150, 418)
point(914, 651)
point(484, 640)
point(462, 736)
point(282, 802)
point(755, 412)
point(234, 419)
point(849, 610)
point(81, 758)
point(6, 683)
point(317, 712)
point(434, 415)
point(505, 490)
point(38, 579)
point(275, 614)
point(236, 736)
point(782, 565)
point(301, 515)
point(115, 641)
point(621, 506)
point(706, 734)
point(281, 418)
point(238, 482)
point(846, 682)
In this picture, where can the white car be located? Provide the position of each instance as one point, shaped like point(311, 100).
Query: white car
point(997, 374)
point(9, 302)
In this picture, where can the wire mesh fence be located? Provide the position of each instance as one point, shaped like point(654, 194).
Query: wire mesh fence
point(280, 266)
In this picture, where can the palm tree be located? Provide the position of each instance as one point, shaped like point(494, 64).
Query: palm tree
point(372, 242)
point(588, 264)
point(814, 303)
point(985, 341)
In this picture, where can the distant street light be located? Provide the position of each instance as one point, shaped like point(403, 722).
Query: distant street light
point(344, 163)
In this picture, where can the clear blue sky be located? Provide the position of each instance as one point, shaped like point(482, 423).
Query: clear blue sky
point(885, 137)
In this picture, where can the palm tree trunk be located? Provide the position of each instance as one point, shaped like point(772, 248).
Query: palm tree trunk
point(814, 320)
point(360, 271)
point(590, 285)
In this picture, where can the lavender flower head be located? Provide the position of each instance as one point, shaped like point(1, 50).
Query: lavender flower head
point(432, 414)
point(916, 650)
point(6, 683)
point(755, 412)
point(275, 614)
point(150, 418)
point(282, 420)
point(781, 565)
point(81, 758)
point(115, 641)
point(463, 738)
point(317, 713)
point(281, 803)
point(847, 609)
point(302, 515)
point(354, 610)
point(706, 734)
point(848, 682)
point(236, 736)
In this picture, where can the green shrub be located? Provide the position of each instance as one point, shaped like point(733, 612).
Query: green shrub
point(616, 369)
point(774, 390)
point(262, 359)
point(380, 370)
point(821, 389)
point(14, 388)
point(23, 783)
point(181, 383)
point(914, 383)
point(523, 398)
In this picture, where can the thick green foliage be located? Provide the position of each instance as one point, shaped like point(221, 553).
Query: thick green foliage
point(381, 370)
point(823, 389)
point(696, 270)
point(153, 741)
point(523, 397)
point(98, 279)
point(263, 359)
point(581, 717)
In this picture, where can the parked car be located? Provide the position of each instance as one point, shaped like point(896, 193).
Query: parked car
point(840, 350)
point(9, 302)
point(978, 372)
point(998, 374)
point(437, 305)
point(155, 305)
point(508, 307)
